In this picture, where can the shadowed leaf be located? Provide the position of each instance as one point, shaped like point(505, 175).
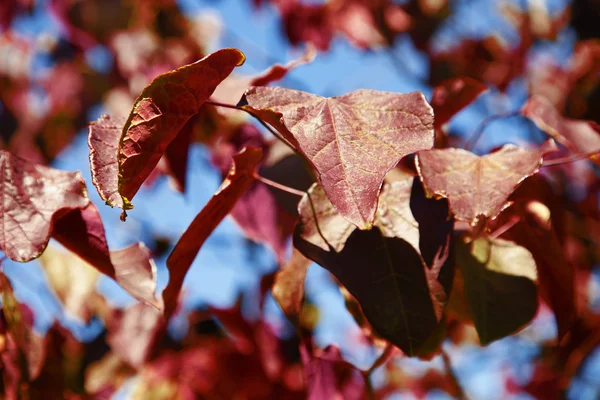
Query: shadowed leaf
point(352, 141)
point(32, 198)
point(500, 286)
point(478, 187)
point(580, 136)
point(400, 284)
point(452, 95)
point(239, 179)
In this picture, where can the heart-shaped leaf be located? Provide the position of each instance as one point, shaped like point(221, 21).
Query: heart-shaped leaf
point(179, 262)
point(352, 141)
point(500, 286)
point(399, 273)
point(478, 187)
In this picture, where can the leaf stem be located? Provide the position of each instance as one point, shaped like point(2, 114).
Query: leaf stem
point(460, 394)
point(279, 186)
point(263, 123)
point(381, 359)
point(480, 129)
point(570, 159)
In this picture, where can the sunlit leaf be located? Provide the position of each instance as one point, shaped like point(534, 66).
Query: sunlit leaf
point(580, 136)
point(352, 141)
point(478, 187)
point(32, 198)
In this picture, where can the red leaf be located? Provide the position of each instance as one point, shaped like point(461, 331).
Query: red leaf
point(452, 95)
point(476, 186)
point(103, 140)
point(579, 136)
point(288, 288)
point(239, 179)
point(31, 346)
point(176, 156)
point(352, 140)
point(33, 197)
point(400, 273)
point(82, 232)
point(329, 376)
point(158, 114)
point(257, 212)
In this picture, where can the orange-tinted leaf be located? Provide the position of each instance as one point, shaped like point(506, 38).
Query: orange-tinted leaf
point(31, 346)
point(400, 273)
point(239, 179)
point(32, 198)
point(452, 95)
point(73, 281)
point(580, 136)
point(478, 187)
point(103, 141)
point(500, 286)
point(352, 140)
point(159, 113)
point(288, 288)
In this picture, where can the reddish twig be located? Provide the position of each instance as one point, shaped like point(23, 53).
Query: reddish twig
point(263, 123)
point(279, 186)
point(479, 131)
point(570, 159)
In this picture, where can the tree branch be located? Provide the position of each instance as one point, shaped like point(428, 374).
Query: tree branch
point(570, 159)
point(278, 186)
point(479, 131)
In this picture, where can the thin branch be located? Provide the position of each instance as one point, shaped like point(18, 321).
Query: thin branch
point(369, 387)
point(376, 364)
point(381, 359)
point(505, 227)
point(480, 129)
point(263, 123)
point(279, 186)
point(460, 394)
point(570, 159)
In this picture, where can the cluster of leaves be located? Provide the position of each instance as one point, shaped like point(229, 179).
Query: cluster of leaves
point(424, 237)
